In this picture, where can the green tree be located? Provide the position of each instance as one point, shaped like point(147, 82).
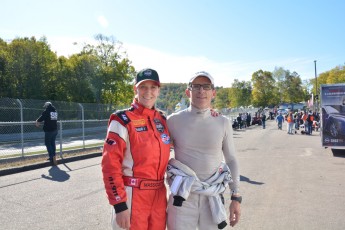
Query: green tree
point(62, 71)
point(7, 85)
point(263, 88)
point(29, 66)
point(293, 90)
point(306, 87)
point(115, 74)
point(279, 75)
point(241, 93)
point(222, 99)
point(333, 76)
point(79, 87)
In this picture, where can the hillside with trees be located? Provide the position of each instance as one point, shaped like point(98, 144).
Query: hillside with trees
point(170, 95)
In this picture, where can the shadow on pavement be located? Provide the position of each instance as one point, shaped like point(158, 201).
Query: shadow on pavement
point(338, 152)
point(246, 179)
point(56, 174)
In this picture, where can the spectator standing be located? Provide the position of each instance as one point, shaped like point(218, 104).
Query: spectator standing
point(49, 116)
point(296, 121)
point(280, 121)
point(239, 120)
point(249, 118)
point(244, 119)
point(310, 120)
point(290, 122)
point(263, 120)
point(305, 123)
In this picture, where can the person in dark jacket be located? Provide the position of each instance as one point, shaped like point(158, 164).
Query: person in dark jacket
point(263, 119)
point(49, 117)
point(249, 119)
point(310, 120)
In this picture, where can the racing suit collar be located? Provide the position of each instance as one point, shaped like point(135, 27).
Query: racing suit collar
point(199, 112)
point(143, 110)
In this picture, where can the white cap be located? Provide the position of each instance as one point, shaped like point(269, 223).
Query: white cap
point(47, 104)
point(202, 74)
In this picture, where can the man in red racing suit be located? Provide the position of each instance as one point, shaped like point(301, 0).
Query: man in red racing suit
point(135, 157)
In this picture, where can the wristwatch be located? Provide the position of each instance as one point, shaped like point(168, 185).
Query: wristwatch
point(237, 198)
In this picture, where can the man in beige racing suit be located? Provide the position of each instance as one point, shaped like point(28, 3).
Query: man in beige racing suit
point(202, 142)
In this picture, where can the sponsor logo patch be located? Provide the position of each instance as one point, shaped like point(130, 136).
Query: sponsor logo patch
point(133, 181)
point(165, 138)
point(110, 141)
point(140, 122)
point(124, 117)
point(159, 125)
point(114, 189)
point(147, 73)
point(141, 129)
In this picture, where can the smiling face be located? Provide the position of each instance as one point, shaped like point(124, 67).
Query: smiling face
point(147, 93)
point(201, 98)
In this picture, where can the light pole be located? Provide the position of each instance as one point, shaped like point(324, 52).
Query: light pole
point(316, 97)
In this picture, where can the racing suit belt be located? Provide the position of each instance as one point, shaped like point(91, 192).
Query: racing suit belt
point(142, 183)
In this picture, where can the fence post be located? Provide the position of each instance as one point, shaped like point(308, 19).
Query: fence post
point(82, 123)
point(60, 131)
point(21, 126)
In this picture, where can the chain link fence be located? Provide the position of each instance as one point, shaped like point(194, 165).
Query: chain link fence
point(80, 126)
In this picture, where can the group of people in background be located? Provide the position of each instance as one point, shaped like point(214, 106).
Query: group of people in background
point(243, 120)
point(307, 121)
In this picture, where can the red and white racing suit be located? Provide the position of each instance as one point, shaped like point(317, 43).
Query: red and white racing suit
point(135, 157)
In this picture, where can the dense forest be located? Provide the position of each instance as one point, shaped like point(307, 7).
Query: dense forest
point(103, 74)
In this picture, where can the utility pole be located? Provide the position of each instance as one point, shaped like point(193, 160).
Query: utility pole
point(316, 97)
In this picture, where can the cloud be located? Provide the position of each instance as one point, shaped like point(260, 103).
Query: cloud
point(66, 46)
point(102, 21)
point(178, 69)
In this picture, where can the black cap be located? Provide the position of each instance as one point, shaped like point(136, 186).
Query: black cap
point(145, 75)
